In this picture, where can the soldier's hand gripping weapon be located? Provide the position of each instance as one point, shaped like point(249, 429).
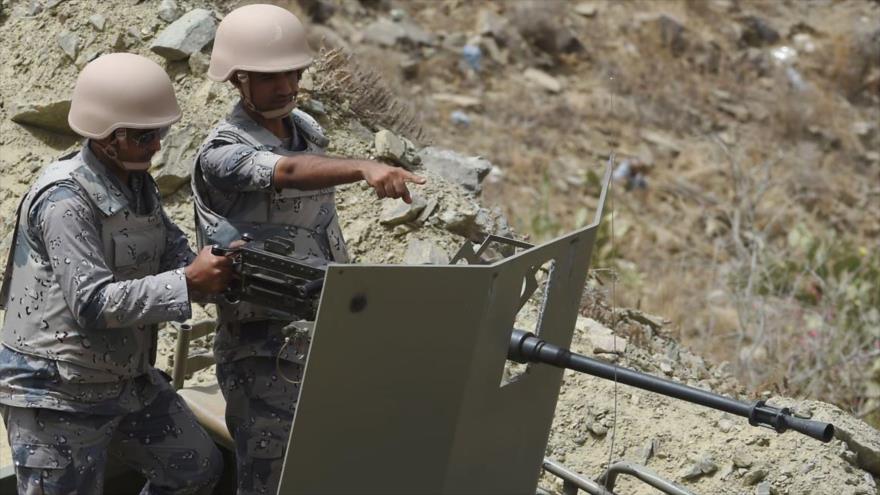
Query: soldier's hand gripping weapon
point(273, 276)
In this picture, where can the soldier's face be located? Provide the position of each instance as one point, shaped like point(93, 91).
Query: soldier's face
point(142, 144)
point(273, 90)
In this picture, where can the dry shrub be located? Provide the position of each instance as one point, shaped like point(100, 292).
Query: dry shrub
point(853, 58)
point(339, 78)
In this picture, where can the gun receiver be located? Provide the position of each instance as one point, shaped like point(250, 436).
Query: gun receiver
point(271, 274)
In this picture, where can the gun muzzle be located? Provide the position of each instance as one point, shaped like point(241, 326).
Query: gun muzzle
point(781, 420)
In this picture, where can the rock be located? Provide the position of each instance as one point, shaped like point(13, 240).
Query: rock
point(88, 56)
point(171, 165)
point(49, 116)
point(386, 32)
point(168, 11)
point(491, 24)
point(321, 36)
point(98, 21)
point(462, 101)
point(802, 410)
point(543, 79)
point(398, 15)
point(740, 112)
point(397, 212)
point(598, 429)
point(429, 209)
point(490, 46)
point(460, 118)
point(319, 11)
point(609, 344)
point(755, 476)
point(703, 465)
point(396, 149)
point(467, 171)
point(69, 43)
point(409, 68)
point(672, 34)
point(186, 35)
point(313, 107)
point(649, 449)
point(544, 30)
point(198, 63)
point(459, 221)
point(859, 437)
point(126, 40)
point(725, 425)
point(662, 140)
point(757, 32)
point(424, 253)
point(665, 367)
point(765, 488)
point(586, 9)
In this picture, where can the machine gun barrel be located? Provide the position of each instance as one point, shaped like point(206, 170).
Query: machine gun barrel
point(526, 347)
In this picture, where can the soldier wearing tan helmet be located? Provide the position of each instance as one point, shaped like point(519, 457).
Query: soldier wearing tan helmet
point(262, 171)
point(95, 265)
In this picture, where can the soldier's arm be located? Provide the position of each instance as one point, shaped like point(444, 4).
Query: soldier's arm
point(68, 228)
point(306, 172)
point(238, 167)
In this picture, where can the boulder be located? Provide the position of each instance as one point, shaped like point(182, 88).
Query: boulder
point(69, 43)
point(420, 252)
point(186, 35)
point(386, 32)
point(171, 165)
point(395, 149)
point(168, 11)
point(757, 32)
point(467, 171)
point(50, 116)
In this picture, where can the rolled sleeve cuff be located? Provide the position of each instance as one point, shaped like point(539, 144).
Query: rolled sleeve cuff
point(177, 301)
point(264, 168)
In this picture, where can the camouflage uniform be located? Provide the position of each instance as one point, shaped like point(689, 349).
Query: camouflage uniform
point(232, 186)
point(95, 266)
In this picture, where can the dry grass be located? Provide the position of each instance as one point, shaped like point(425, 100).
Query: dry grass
point(339, 78)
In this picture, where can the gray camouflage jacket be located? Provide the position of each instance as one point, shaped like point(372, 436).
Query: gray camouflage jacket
point(233, 195)
point(95, 266)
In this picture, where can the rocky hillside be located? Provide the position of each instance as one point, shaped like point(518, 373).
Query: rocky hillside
point(744, 145)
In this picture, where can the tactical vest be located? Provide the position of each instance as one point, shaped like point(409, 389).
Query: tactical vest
point(39, 321)
point(307, 217)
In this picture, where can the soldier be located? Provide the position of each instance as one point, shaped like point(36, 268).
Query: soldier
point(96, 264)
point(261, 171)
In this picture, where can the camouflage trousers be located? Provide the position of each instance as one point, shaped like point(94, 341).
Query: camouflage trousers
point(60, 452)
point(260, 402)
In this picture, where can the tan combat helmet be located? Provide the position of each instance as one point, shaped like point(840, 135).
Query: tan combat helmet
point(259, 38)
point(118, 91)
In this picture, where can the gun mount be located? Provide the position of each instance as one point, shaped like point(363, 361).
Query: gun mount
point(369, 401)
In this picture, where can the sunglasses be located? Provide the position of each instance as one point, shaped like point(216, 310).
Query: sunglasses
point(147, 138)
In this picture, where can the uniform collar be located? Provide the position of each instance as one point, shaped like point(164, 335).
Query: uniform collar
point(240, 118)
point(102, 186)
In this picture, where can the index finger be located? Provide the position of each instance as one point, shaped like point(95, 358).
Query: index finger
point(411, 177)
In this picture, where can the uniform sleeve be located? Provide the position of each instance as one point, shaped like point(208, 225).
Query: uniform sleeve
point(63, 220)
point(235, 167)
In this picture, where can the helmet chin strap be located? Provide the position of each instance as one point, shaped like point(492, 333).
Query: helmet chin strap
point(246, 96)
point(119, 138)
